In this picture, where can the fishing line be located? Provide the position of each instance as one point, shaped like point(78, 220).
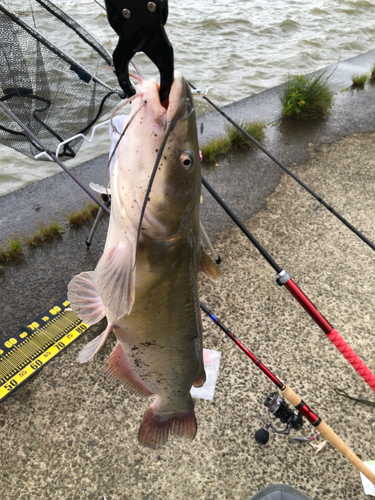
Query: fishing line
point(298, 403)
point(290, 173)
point(137, 69)
point(340, 392)
point(170, 128)
point(100, 5)
point(284, 279)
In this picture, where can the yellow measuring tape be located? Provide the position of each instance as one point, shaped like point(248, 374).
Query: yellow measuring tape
point(34, 345)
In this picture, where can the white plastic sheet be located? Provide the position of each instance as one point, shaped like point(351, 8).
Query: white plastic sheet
point(367, 485)
point(211, 361)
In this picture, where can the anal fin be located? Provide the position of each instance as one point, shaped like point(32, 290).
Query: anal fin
point(118, 368)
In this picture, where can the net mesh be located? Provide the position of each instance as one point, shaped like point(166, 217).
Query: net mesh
point(49, 91)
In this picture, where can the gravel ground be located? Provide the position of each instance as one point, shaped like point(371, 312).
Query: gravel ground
point(70, 434)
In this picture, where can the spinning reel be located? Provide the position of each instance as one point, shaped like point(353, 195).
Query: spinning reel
point(279, 409)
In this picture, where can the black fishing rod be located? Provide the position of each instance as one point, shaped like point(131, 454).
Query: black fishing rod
point(298, 403)
point(290, 173)
point(284, 279)
point(34, 140)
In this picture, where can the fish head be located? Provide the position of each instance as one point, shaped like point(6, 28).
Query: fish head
point(160, 140)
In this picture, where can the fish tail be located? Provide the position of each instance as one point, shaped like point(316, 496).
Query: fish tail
point(155, 427)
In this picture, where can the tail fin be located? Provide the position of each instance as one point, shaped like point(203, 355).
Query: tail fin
point(155, 428)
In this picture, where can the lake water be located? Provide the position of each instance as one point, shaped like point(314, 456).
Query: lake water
point(240, 47)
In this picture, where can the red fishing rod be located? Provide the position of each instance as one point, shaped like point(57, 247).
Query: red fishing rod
point(298, 403)
point(284, 279)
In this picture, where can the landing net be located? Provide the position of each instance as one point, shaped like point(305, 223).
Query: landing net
point(49, 91)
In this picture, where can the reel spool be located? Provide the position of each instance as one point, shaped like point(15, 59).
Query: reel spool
point(279, 409)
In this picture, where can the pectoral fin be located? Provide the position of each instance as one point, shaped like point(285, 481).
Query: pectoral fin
point(209, 267)
point(115, 278)
point(84, 299)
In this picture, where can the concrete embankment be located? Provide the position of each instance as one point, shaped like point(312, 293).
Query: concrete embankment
point(69, 433)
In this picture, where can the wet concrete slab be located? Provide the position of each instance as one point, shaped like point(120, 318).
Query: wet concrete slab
point(69, 433)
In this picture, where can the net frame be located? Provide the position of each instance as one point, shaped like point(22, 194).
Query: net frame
point(54, 94)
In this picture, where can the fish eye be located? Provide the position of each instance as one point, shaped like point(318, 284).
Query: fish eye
point(187, 160)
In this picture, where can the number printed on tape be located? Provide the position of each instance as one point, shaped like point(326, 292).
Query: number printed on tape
point(17, 377)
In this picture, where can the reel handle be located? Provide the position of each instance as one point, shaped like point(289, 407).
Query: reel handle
point(329, 434)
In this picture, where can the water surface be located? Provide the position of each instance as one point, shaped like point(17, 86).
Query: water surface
point(240, 47)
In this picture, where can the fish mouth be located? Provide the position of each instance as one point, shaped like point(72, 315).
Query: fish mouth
point(178, 104)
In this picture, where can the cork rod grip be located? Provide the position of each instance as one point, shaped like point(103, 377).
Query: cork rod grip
point(332, 437)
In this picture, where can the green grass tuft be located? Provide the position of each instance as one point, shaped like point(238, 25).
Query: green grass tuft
point(238, 140)
point(307, 97)
point(52, 231)
point(45, 233)
point(79, 218)
point(216, 147)
point(12, 251)
point(358, 81)
point(233, 139)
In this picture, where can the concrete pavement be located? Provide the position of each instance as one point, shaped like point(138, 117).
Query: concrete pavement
point(70, 434)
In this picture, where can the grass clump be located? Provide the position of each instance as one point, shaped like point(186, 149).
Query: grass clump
point(233, 139)
point(12, 251)
point(307, 97)
point(218, 146)
point(45, 233)
point(358, 81)
point(78, 219)
point(238, 140)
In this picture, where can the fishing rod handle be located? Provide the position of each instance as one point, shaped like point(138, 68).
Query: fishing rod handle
point(332, 437)
point(328, 329)
point(353, 358)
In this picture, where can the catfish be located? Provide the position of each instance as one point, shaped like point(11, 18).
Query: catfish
point(145, 282)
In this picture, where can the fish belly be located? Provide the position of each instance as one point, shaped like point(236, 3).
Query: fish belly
point(161, 342)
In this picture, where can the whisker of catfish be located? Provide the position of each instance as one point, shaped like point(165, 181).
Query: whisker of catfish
point(131, 118)
point(170, 128)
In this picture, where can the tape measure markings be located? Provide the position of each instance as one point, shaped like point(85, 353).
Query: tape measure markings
point(36, 344)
